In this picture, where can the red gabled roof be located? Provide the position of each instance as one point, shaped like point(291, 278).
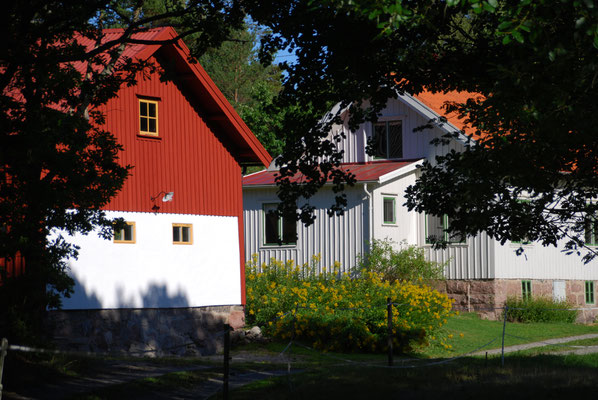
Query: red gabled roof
point(247, 148)
point(364, 172)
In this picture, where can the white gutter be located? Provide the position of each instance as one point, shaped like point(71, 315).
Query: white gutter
point(370, 216)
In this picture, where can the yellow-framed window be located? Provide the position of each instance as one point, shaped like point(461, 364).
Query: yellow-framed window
point(182, 233)
point(126, 234)
point(148, 117)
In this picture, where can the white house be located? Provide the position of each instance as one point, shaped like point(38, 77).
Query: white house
point(480, 271)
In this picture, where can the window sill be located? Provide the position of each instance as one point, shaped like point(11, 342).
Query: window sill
point(428, 245)
point(390, 224)
point(278, 246)
point(148, 137)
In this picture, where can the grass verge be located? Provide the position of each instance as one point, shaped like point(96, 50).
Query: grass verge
point(468, 332)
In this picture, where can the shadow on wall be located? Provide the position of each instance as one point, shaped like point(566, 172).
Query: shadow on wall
point(156, 296)
point(165, 325)
point(81, 299)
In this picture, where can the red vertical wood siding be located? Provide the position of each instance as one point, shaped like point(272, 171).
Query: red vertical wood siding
point(187, 158)
point(15, 266)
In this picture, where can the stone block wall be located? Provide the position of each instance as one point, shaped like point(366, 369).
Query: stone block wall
point(144, 332)
point(487, 297)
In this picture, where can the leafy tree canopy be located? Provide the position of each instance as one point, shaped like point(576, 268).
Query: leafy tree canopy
point(248, 85)
point(534, 66)
point(58, 165)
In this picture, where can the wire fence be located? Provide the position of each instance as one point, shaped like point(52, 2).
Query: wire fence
point(405, 363)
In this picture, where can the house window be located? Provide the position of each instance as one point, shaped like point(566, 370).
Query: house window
point(436, 230)
point(526, 290)
point(125, 234)
point(589, 292)
point(148, 117)
point(521, 239)
point(182, 234)
point(387, 139)
point(591, 231)
point(278, 229)
point(389, 210)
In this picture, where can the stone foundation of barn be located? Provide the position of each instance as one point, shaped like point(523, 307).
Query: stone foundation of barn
point(144, 332)
point(487, 297)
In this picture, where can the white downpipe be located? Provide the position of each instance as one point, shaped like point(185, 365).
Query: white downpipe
point(370, 214)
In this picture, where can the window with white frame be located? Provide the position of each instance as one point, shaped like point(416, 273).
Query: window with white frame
point(389, 209)
point(436, 230)
point(278, 230)
point(591, 231)
point(387, 139)
point(521, 239)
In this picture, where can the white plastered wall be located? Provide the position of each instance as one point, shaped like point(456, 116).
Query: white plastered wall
point(154, 272)
point(405, 227)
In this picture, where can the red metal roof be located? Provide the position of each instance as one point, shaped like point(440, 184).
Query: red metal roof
point(364, 172)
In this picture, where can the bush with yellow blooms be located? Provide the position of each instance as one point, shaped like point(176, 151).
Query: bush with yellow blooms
point(335, 312)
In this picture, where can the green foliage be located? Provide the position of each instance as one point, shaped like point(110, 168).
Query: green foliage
point(248, 85)
point(334, 312)
point(58, 164)
point(530, 67)
point(406, 264)
point(539, 309)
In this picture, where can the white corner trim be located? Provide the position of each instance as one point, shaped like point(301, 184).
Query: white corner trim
point(401, 171)
point(428, 113)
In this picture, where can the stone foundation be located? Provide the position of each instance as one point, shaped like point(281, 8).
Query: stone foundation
point(487, 297)
point(144, 332)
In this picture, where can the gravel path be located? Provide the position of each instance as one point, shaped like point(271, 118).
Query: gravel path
point(519, 347)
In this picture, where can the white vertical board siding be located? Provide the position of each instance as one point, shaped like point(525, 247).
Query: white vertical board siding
point(338, 238)
point(154, 272)
point(415, 144)
point(538, 262)
point(472, 260)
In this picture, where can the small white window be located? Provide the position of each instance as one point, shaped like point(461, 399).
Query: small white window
point(387, 139)
point(278, 230)
point(436, 230)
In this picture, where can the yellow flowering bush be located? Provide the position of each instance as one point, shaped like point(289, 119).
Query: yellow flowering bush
point(335, 312)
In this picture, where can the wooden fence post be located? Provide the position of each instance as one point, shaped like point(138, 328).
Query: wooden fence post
point(226, 352)
point(504, 326)
point(389, 323)
point(3, 350)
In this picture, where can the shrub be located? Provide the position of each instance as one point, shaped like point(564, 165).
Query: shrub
point(539, 309)
point(406, 264)
point(334, 312)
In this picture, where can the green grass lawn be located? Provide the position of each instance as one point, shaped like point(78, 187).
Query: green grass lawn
point(527, 374)
point(470, 332)
point(521, 378)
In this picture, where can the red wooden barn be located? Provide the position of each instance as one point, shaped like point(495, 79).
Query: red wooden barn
point(183, 244)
